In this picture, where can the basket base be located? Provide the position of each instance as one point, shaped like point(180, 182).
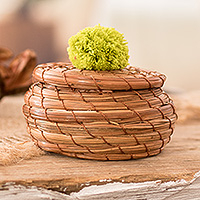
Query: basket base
point(112, 157)
point(102, 157)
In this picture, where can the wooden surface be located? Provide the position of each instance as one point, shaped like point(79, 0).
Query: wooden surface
point(179, 160)
point(154, 190)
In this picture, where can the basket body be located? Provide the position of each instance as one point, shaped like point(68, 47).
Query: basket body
point(117, 115)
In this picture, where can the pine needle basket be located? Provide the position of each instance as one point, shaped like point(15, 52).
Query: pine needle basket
point(100, 115)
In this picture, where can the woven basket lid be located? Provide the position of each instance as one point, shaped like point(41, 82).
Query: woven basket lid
point(65, 74)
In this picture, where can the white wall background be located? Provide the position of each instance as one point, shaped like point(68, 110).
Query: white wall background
point(163, 35)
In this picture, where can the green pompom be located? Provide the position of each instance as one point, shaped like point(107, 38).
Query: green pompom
point(98, 48)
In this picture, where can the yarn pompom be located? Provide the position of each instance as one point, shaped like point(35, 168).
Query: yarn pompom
point(98, 48)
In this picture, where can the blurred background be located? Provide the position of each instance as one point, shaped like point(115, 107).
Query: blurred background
point(162, 35)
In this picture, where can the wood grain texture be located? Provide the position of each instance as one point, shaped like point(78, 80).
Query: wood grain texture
point(154, 190)
point(179, 160)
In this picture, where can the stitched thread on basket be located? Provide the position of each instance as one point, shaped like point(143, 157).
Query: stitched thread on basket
point(165, 114)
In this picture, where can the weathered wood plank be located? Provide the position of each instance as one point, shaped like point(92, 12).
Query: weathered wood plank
point(147, 190)
point(179, 160)
point(13, 192)
point(154, 190)
point(190, 192)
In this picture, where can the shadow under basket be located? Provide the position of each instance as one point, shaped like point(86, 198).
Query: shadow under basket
point(100, 115)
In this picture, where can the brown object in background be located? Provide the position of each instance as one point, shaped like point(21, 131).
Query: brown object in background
point(5, 54)
point(16, 77)
point(1, 87)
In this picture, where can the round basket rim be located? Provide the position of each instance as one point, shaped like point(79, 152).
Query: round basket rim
point(129, 78)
